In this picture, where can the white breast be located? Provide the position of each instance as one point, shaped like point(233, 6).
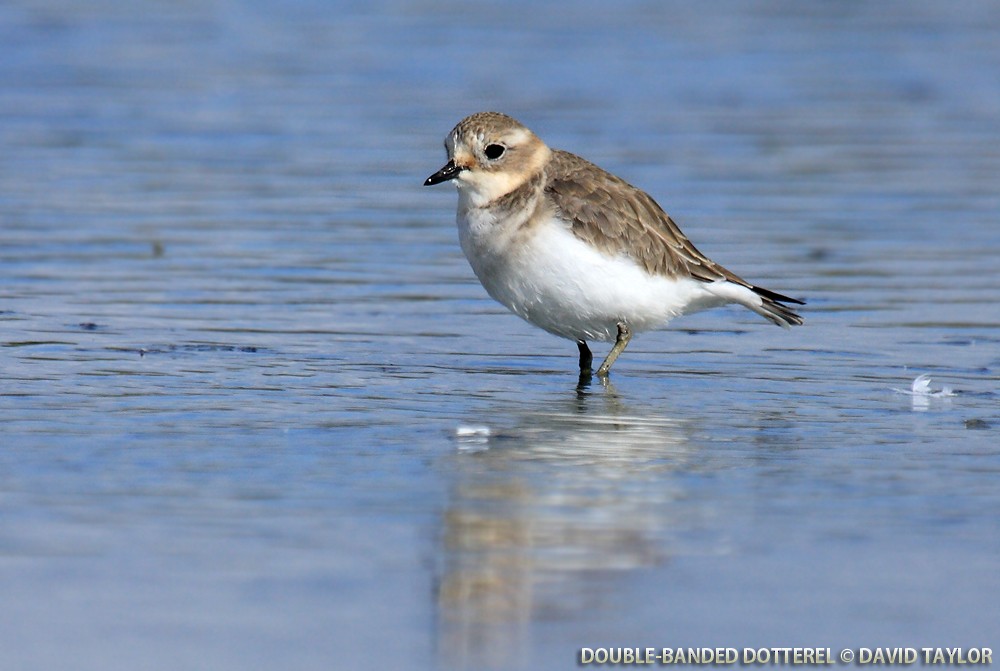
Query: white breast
point(551, 278)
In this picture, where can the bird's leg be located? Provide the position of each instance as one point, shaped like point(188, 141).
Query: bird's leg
point(586, 358)
point(586, 361)
point(624, 335)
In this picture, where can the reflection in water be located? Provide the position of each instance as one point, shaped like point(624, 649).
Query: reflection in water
point(542, 516)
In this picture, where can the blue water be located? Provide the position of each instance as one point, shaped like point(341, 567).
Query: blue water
point(256, 412)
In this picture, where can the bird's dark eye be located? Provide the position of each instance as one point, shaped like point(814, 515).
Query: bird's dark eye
point(494, 151)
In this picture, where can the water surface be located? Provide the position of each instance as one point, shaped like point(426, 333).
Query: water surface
point(256, 412)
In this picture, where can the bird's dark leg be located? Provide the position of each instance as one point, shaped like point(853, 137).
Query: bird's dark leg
point(586, 357)
point(586, 361)
point(624, 335)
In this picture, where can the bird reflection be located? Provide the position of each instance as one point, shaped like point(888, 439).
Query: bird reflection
point(544, 515)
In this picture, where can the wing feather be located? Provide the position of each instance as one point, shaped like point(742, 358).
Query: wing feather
point(619, 219)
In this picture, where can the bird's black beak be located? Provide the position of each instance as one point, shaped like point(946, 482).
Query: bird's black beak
point(449, 171)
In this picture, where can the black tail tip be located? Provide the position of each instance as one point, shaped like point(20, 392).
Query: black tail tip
point(775, 296)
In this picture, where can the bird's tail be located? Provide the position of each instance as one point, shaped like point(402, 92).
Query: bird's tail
point(772, 307)
point(767, 304)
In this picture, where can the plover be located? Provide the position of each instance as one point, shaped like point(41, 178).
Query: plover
point(575, 250)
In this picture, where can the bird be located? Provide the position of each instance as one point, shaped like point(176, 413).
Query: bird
point(576, 250)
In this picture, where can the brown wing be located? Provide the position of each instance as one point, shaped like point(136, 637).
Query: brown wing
point(618, 218)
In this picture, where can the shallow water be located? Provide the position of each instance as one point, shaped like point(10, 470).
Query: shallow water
point(256, 412)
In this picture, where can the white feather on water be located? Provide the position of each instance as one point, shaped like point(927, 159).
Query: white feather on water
point(922, 387)
point(920, 393)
